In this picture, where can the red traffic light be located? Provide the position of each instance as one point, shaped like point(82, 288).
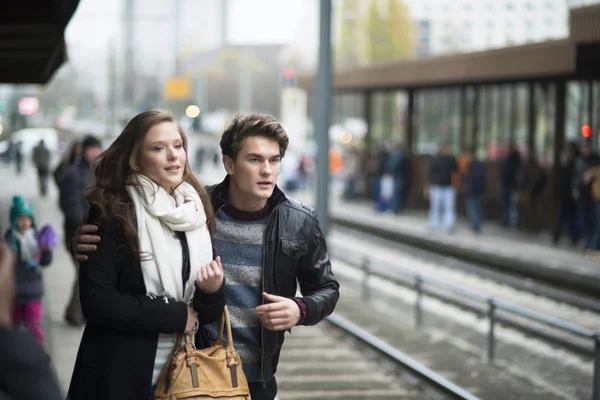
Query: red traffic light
point(586, 131)
point(289, 74)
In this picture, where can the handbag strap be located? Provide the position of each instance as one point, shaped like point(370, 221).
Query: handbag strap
point(225, 324)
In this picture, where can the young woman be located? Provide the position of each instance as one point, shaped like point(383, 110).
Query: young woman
point(152, 276)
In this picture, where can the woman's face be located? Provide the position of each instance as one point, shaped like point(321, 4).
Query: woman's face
point(162, 157)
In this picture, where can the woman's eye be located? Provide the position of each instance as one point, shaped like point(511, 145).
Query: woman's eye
point(158, 148)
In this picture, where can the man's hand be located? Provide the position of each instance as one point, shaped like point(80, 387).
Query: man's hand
point(83, 241)
point(210, 276)
point(587, 177)
point(280, 314)
point(7, 284)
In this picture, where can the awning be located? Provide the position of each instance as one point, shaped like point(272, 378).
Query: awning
point(32, 43)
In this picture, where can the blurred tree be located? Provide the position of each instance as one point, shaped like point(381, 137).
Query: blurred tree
point(348, 50)
point(389, 31)
point(373, 32)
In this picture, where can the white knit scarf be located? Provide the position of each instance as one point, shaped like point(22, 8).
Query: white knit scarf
point(159, 215)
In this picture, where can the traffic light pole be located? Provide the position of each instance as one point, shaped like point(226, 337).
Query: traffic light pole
point(322, 110)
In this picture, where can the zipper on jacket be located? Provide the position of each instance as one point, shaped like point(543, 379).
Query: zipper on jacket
point(262, 301)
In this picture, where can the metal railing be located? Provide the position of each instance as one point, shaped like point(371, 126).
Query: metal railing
point(421, 285)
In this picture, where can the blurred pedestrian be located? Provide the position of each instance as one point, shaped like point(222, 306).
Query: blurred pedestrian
point(41, 160)
point(530, 183)
point(77, 177)
point(19, 158)
point(582, 191)
point(440, 191)
point(351, 172)
point(26, 372)
point(567, 208)
point(73, 156)
point(508, 181)
point(592, 176)
point(396, 167)
point(31, 255)
point(473, 188)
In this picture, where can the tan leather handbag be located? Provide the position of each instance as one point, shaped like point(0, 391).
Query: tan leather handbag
point(214, 372)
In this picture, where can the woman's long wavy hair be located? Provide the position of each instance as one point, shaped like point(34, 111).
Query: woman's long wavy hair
point(113, 167)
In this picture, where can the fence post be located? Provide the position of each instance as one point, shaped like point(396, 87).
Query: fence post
point(596, 390)
point(366, 294)
point(491, 345)
point(418, 301)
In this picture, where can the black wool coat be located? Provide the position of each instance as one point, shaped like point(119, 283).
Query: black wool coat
point(117, 351)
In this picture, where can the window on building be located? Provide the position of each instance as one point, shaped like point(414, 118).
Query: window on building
point(388, 110)
point(437, 119)
point(509, 6)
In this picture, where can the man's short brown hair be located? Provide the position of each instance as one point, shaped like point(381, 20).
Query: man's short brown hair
point(252, 125)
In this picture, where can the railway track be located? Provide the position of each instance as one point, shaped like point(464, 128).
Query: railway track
point(390, 257)
point(339, 360)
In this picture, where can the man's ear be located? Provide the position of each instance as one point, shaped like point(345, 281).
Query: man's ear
point(228, 163)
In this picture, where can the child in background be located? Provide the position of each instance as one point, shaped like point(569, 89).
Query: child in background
point(33, 249)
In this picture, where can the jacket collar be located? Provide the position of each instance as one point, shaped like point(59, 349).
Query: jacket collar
point(219, 194)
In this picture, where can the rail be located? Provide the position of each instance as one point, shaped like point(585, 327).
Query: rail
point(431, 378)
point(420, 283)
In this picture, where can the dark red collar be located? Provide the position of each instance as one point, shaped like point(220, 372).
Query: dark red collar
point(247, 216)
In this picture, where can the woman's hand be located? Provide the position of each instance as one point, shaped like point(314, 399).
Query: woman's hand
point(192, 321)
point(210, 276)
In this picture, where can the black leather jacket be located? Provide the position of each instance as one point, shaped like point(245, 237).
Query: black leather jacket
point(294, 252)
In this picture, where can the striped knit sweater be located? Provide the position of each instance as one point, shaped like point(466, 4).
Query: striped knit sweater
point(239, 242)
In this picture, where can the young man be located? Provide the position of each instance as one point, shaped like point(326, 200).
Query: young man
point(268, 244)
point(441, 192)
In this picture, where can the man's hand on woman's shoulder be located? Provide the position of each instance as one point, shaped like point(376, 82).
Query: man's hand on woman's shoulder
point(84, 241)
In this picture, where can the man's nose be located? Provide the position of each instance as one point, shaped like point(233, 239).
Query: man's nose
point(266, 168)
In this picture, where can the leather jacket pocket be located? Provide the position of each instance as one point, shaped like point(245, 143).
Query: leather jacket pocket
point(292, 251)
point(294, 248)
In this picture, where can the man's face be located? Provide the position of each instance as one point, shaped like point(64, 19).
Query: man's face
point(254, 172)
point(91, 153)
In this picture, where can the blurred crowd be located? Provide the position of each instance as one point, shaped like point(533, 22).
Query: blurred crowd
point(462, 180)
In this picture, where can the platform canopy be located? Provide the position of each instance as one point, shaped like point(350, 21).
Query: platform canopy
point(574, 57)
point(32, 42)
